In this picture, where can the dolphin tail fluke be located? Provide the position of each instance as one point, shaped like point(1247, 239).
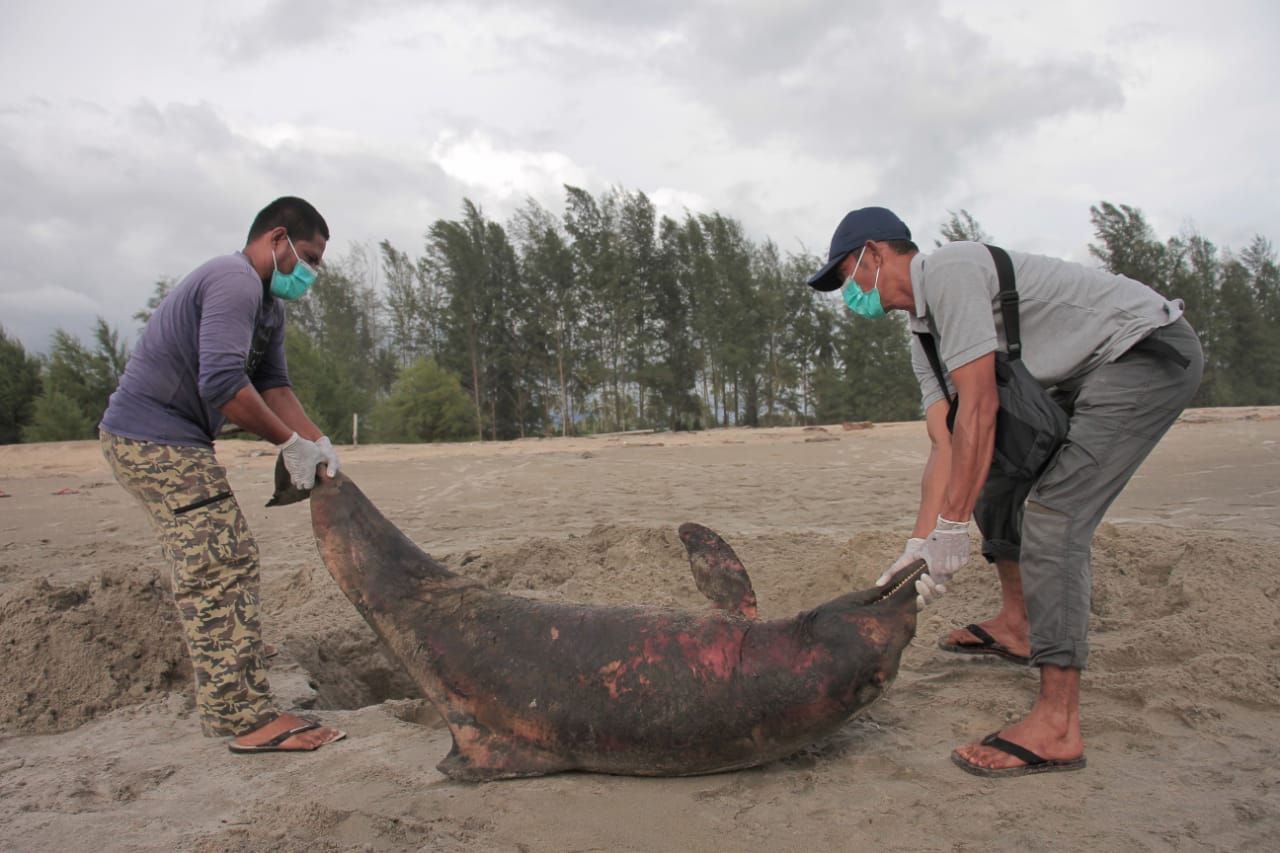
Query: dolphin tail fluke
point(286, 492)
point(718, 572)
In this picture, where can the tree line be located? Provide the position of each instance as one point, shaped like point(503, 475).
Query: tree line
point(606, 317)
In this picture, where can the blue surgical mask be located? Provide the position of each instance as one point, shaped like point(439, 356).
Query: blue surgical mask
point(863, 303)
point(296, 283)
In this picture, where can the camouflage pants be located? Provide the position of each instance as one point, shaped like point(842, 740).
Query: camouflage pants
point(214, 562)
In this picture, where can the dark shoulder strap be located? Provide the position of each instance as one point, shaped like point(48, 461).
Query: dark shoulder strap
point(1008, 308)
point(931, 352)
point(1008, 300)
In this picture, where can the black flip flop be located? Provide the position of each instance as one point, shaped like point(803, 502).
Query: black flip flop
point(987, 645)
point(1033, 763)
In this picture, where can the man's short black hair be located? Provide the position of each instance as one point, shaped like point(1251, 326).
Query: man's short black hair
point(901, 247)
point(298, 217)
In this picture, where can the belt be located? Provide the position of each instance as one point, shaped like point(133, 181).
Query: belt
point(1160, 349)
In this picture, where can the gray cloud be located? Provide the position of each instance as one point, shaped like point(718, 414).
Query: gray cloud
point(96, 217)
point(137, 154)
point(896, 87)
point(294, 27)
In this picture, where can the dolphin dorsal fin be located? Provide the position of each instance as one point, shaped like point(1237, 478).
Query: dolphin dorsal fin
point(718, 572)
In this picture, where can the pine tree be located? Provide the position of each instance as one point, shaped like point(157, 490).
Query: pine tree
point(962, 227)
point(19, 388)
point(76, 384)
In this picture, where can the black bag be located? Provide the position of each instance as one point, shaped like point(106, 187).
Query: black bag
point(1030, 425)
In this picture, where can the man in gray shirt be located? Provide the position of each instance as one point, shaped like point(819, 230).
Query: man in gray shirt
point(212, 351)
point(1123, 362)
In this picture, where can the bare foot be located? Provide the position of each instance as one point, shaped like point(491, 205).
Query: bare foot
point(1050, 733)
point(286, 733)
point(1058, 751)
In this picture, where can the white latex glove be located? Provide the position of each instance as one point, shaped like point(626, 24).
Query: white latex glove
point(330, 456)
point(300, 459)
point(928, 591)
point(947, 549)
point(910, 554)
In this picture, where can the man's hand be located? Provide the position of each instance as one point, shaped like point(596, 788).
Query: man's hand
point(330, 456)
point(909, 555)
point(301, 458)
point(947, 549)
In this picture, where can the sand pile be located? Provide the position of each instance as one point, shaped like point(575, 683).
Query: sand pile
point(74, 652)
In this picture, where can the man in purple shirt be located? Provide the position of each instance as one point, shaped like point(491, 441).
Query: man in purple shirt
point(214, 351)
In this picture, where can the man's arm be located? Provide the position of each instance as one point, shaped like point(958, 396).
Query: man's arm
point(275, 414)
point(937, 471)
point(288, 408)
point(933, 484)
point(974, 436)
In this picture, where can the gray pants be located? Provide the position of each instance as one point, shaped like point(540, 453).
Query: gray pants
point(1118, 414)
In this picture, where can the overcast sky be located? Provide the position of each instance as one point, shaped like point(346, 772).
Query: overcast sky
point(139, 137)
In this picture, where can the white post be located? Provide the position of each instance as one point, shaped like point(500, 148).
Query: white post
point(355, 428)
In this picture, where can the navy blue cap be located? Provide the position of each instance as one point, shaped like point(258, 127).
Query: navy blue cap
point(853, 232)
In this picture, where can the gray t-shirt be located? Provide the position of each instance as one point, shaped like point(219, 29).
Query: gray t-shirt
point(216, 332)
point(1072, 318)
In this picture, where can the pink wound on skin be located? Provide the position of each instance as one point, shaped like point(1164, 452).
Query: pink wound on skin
point(715, 659)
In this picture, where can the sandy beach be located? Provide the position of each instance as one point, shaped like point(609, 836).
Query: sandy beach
point(100, 750)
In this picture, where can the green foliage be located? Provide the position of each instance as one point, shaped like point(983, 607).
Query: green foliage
point(58, 417)
point(605, 316)
point(594, 231)
point(160, 290)
point(550, 338)
point(672, 374)
point(19, 388)
point(1128, 244)
point(426, 404)
point(1245, 363)
point(76, 385)
point(609, 318)
point(413, 306)
point(337, 356)
point(457, 255)
point(323, 383)
point(871, 378)
point(1232, 302)
point(962, 227)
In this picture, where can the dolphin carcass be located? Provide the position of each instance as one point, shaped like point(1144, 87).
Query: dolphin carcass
point(532, 687)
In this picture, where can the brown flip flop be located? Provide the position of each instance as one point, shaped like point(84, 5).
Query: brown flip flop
point(274, 745)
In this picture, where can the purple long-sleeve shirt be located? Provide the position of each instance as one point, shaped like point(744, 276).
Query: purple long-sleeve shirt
point(216, 332)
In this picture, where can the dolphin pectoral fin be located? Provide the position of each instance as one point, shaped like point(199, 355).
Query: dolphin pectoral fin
point(480, 756)
point(718, 572)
